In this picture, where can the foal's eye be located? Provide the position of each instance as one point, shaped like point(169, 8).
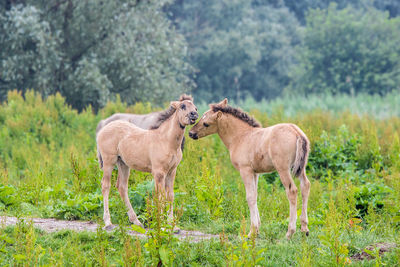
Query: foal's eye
point(183, 106)
point(206, 124)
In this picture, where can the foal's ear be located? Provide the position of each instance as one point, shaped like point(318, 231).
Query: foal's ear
point(185, 97)
point(174, 104)
point(223, 102)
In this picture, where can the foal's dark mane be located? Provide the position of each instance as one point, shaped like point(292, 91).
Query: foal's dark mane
point(162, 117)
point(238, 113)
point(166, 114)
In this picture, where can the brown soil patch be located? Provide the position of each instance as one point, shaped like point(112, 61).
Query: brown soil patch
point(383, 248)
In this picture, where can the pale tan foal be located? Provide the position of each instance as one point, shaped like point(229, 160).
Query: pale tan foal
point(254, 150)
point(144, 121)
point(157, 151)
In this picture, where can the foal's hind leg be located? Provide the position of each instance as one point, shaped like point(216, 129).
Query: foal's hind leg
point(105, 188)
point(291, 192)
point(305, 191)
point(123, 178)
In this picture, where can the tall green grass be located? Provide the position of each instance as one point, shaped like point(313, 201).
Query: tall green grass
point(48, 168)
point(381, 107)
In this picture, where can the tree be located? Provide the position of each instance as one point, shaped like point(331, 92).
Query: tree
point(392, 6)
point(238, 49)
point(348, 51)
point(301, 7)
point(91, 50)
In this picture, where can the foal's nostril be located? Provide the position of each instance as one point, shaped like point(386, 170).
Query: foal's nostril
point(193, 135)
point(194, 115)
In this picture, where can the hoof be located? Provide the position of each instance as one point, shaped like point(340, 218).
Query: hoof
point(245, 238)
point(177, 230)
point(109, 227)
point(289, 234)
point(137, 222)
point(250, 235)
point(305, 231)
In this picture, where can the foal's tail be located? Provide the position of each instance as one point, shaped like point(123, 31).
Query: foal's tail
point(302, 150)
point(99, 158)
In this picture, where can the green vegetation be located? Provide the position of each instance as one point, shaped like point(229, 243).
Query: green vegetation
point(331, 68)
point(241, 48)
point(348, 51)
point(48, 168)
point(380, 107)
point(261, 48)
point(91, 51)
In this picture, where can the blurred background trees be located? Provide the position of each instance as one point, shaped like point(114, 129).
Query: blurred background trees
point(348, 51)
point(239, 48)
point(89, 51)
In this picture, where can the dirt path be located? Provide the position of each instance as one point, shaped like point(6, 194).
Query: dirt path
point(53, 225)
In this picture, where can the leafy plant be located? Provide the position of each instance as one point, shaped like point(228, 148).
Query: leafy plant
point(331, 237)
point(376, 255)
point(80, 207)
point(8, 196)
point(334, 153)
point(371, 194)
point(160, 237)
point(209, 191)
point(243, 254)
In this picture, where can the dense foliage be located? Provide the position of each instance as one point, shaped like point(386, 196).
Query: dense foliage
point(349, 51)
point(91, 50)
point(48, 168)
point(153, 50)
point(301, 8)
point(256, 48)
point(239, 49)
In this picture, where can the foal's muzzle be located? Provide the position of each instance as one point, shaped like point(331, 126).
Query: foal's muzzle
point(193, 135)
point(193, 117)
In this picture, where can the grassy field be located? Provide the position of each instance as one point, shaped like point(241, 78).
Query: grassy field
point(380, 107)
point(48, 168)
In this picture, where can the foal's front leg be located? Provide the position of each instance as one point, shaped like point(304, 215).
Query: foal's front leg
point(159, 183)
point(169, 190)
point(159, 178)
point(250, 183)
